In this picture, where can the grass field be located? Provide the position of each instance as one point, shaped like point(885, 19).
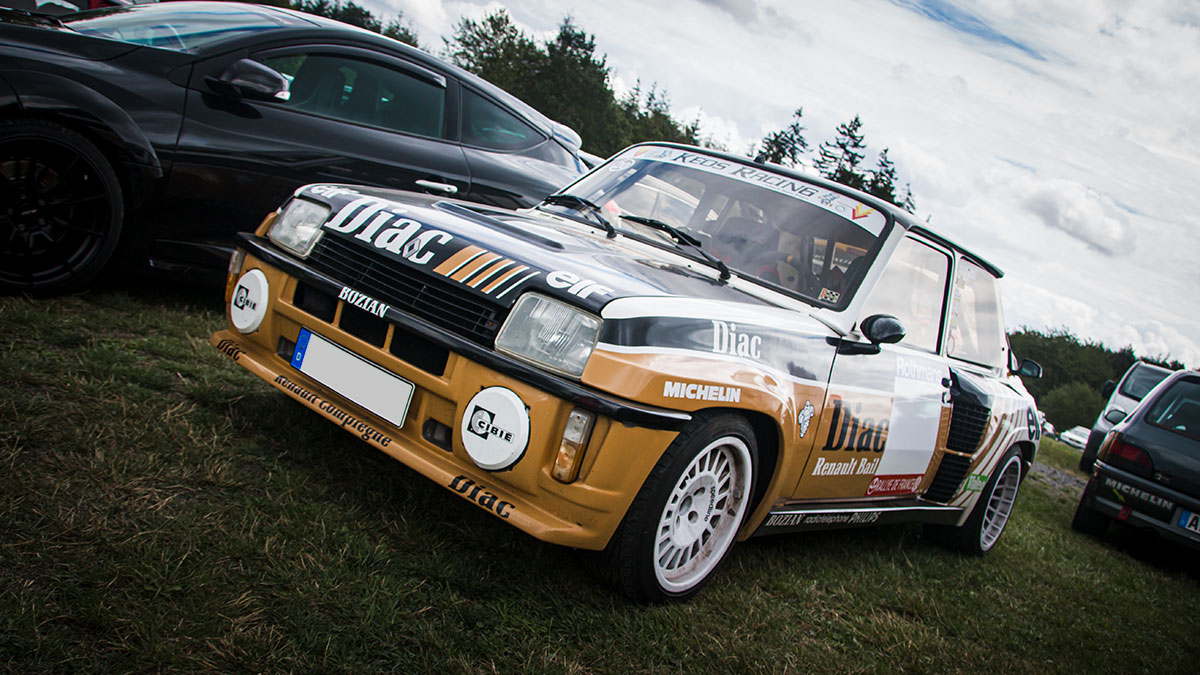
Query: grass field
point(161, 510)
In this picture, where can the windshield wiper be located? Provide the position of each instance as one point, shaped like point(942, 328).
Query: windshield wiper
point(578, 202)
point(681, 237)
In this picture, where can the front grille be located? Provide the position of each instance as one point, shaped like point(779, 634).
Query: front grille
point(967, 424)
point(949, 478)
point(443, 303)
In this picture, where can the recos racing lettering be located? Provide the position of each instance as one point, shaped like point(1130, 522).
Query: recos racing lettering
point(850, 432)
point(479, 494)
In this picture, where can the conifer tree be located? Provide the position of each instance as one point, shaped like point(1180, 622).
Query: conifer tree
point(882, 181)
point(838, 159)
point(785, 146)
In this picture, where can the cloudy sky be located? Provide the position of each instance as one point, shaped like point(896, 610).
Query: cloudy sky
point(1060, 139)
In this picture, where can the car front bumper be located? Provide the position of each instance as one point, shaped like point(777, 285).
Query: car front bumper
point(625, 443)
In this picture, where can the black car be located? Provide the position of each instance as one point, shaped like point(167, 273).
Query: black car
point(159, 130)
point(1147, 473)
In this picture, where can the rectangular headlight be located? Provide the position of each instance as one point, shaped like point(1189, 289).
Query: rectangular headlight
point(549, 333)
point(298, 227)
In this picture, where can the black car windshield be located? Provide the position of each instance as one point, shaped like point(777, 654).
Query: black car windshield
point(178, 26)
point(1178, 409)
point(1142, 380)
point(770, 227)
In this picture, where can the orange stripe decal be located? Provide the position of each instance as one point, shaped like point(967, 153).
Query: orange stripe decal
point(455, 261)
point(511, 273)
point(489, 272)
point(471, 267)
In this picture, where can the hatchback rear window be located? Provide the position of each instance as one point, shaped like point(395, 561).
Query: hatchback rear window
point(1178, 409)
point(1141, 381)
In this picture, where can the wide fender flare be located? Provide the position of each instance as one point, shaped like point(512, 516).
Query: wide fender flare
point(42, 94)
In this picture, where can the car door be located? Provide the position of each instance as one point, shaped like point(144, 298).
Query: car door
point(887, 407)
point(352, 116)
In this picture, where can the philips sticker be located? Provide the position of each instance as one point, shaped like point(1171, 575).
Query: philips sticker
point(495, 428)
point(248, 306)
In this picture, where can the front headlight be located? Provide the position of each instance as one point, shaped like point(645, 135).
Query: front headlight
point(298, 227)
point(550, 334)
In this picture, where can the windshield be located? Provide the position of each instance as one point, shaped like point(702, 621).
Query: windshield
point(1141, 380)
point(776, 229)
point(1178, 409)
point(179, 27)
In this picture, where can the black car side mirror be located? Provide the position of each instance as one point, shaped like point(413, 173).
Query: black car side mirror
point(1030, 368)
point(882, 328)
point(1107, 389)
point(1115, 416)
point(246, 78)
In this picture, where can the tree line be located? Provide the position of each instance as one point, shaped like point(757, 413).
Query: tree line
point(567, 80)
point(1074, 372)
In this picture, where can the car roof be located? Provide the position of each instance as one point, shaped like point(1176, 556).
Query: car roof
point(293, 23)
point(902, 218)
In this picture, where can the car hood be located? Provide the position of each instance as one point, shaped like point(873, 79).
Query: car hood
point(501, 254)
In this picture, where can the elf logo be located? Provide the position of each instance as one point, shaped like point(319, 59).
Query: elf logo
point(576, 285)
point(480, 495)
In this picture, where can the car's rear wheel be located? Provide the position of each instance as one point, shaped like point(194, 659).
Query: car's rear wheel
point(60, 208)
point(982, 529)
point(684, 520)
point(1089, 521)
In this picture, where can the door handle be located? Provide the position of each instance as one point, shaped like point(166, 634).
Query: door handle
point(444, 188)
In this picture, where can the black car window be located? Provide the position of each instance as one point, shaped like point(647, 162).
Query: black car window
point(1178, 409)
point(975, 331)
point(1141, 380)
point(913, 289)
point(177, 27)
point(362, 91)
point(487, 125)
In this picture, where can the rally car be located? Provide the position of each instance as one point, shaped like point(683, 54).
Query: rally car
point(680, 350)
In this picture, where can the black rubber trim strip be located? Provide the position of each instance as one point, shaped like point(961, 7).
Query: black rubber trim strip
point(582, 396)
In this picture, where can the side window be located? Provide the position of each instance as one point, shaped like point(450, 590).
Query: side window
point(913, 289)
point(363, 92)
point(487, 125)
point(975, 332)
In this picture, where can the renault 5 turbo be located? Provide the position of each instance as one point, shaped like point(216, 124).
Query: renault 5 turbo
point(680, 350)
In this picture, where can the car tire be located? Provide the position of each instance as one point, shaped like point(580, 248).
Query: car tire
point(982, 529)
point(61, 208)
point(1089, 521)
point(687, 514)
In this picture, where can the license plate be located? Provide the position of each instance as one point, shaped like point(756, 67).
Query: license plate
point(375, 389)
point(1189, 521)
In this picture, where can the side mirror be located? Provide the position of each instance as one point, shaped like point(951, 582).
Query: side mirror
point(882, 328)
point(1115, 415)
point(1107, 389)
point(246, 78)
point(1030, 368)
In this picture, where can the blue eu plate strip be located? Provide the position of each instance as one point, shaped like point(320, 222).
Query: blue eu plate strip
point(301, 347)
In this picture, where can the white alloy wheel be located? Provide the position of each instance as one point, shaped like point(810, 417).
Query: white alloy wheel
point(702, 514)
point(1000, 503)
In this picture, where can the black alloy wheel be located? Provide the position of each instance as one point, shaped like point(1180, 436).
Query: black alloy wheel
point(60, 209)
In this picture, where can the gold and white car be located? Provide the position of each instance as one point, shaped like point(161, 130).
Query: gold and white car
point(680, 350)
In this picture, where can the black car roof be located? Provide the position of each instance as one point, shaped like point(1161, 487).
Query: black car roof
point(293, 23)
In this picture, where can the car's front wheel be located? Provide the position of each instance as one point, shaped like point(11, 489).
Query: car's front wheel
point(687, 514)
point(982, 529)
point(60, 208)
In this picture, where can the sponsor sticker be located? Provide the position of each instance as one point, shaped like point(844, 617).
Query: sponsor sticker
point(248, 306)
point(701, 392)
point(894, 485)
point(975, 482)
point(479, 494)
point(495, 428)
point(805, 417)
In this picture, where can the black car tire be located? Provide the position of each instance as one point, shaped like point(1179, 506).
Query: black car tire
point(1089, 521)
point(61, 208)
point(1086, 462)
point(982, 529)
point(687, 514)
